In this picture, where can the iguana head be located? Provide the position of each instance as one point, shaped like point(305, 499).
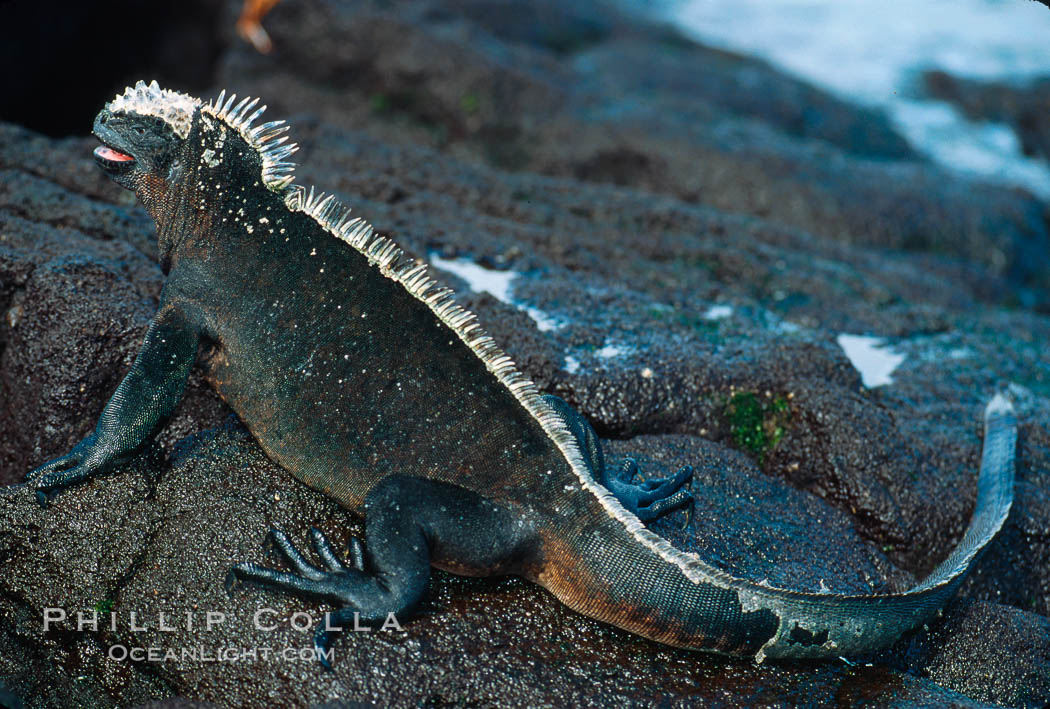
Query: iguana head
point(185, 159)
point(142, 133)
point(153, 136)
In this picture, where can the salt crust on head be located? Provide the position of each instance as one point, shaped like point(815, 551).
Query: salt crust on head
point(173, 108)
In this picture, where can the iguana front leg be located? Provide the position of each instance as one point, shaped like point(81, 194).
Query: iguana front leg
point(142, 402)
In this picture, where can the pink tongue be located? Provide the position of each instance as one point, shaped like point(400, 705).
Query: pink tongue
point(110, 154)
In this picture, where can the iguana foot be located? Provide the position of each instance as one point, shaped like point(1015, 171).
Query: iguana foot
point(653, 498)
point(405, 519)
point(76, 466)
point(48, 479)
point(329, 584)
point(345, 583)
point(649, 500)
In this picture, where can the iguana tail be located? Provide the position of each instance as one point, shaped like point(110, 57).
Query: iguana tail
point(649, 588)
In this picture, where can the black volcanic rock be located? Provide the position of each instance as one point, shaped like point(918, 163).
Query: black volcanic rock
point(1026, 108)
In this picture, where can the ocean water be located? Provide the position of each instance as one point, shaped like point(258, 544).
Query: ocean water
point(872, 51)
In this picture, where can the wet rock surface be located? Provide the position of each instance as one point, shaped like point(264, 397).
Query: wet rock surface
point(682, 277)
point(1023, 107)
point(623, 102)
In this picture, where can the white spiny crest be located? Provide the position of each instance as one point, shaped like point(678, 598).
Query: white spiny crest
point(293, 198)
point(173, 108)
point(310, 203)
point(266, 138)
point(359, 236)
point(344, 223)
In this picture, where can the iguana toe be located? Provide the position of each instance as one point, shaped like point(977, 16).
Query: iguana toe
point(278, 541)
point(339, 582)
point(48, 484)
point(331, 560)
point(664, 505)
point(330, 586)
point(659, 488)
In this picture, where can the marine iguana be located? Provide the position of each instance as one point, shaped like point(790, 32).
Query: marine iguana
point(365, 380)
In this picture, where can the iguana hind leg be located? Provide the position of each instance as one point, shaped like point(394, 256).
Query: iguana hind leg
point(648, 500)
point(410, 523)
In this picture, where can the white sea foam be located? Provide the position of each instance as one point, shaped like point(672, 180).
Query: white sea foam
point(870, 51)
point(610, 350)
point(496, 283)
point(480, 279)
point(871, 357)
point(572, 365)
point(718, 312)
point(544, 321)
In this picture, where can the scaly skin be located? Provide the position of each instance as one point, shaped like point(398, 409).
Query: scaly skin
point(363, 379)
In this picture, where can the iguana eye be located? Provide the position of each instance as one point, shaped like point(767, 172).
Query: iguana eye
point(139, 129)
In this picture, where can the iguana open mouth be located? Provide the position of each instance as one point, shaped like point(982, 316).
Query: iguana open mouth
point(112, 160)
